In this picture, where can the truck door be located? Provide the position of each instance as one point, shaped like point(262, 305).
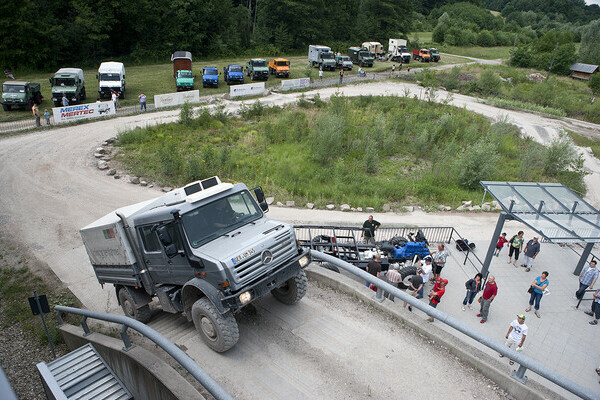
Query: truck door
point(179, 267)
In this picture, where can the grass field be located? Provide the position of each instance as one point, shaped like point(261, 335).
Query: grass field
point(487, 53)
point(423, 37)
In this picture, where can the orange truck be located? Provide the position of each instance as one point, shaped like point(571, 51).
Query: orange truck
point(422, 55)
point(280, 67)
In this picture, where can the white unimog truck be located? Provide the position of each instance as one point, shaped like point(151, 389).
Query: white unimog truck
point(206, 250)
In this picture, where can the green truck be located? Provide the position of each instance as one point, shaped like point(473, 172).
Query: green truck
point(182, 70)
point(360, 56)
point(70, 83)
point(257, 69)
point(20, 94)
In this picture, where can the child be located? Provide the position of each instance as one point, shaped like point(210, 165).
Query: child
point(47, 116)
point(500, 244)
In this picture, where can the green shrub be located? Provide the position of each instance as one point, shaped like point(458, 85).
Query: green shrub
point(476, 163)
point(486, 39)
point(186, 115)
point(489, 82)
point(327, 137)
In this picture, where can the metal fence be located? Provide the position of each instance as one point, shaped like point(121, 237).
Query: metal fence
point(179, 355)
point(523, 361)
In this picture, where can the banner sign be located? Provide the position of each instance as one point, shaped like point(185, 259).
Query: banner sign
point(176, 99)
point(83, 111)
point(250, 89)
point(295, 83)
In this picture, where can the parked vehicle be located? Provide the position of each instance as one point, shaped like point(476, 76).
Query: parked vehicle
point(233, 74)
point(421, 55)
point(111, 76)
point(182, 70)
point(360, 56)
point(435, 54)
point(398, 52)
point(257, 69)
point(20, 94)
point(375, 48)
point(280, 67)
point(321, 56)
point(70, 82)
point(210, 77)
point(205, 250)
point(344, 62)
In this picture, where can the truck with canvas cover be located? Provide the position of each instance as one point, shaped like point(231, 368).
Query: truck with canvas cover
point(20, 94)
point(111, 76)
point(182, 70)
point(322, 57)
point(233, 74)
point(360, 56)
point(280, 67)
point(205, 250)
point(257, 69)
point(398, 52)
point(375, 48)
point(69, 82)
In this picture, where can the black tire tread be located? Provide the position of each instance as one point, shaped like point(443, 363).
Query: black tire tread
point(296, 289)
point(141, 314)
point(226, 325)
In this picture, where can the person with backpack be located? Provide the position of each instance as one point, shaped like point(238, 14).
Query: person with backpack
point(473, 286)
point(515, 245)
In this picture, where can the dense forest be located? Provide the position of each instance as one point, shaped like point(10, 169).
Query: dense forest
point(46, 34)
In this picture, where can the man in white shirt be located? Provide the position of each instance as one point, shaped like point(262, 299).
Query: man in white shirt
point(517, 332)
point(425, 267)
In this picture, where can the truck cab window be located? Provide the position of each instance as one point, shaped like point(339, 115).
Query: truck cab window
point(149, 239)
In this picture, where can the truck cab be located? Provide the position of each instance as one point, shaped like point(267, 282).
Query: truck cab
point(360, 56)
point(206, 250)
point(69, 82)
point(20, 94)
point(257, 69)
point(435, 54)
point(210, 77)
point(343, 62)
point(182, 70)
point(280, 67)
point(322, 57)
point(421, 55)
point(233, 73)
point(184, 80)
point(111, 76)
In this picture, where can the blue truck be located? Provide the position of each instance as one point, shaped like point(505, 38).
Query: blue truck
point(233, 74)
point(210, 77)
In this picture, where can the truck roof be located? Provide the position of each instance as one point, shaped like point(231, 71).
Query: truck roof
point(181, 54)
point(257, 59)
point(318, 46)
point(280, 59)
point(234, 65)
point(111, 66)
point(70, 71)
point(16, 83)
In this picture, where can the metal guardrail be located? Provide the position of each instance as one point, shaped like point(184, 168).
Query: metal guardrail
point(523, 361)
point(183, 359)
point(583, 295)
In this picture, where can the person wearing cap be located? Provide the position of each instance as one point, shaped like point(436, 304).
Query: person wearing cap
point(435, 296)
point(532, 249)
point(490, 291)
point(439, 260)
point(517, 332)
point(424, 270)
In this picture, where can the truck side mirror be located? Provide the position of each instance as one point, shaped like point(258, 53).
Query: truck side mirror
point(260, 198)
point(50, 80)
point(171, 250)
point(96, 76)
point(164, 236)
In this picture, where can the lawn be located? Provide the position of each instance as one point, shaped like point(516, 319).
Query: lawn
point(487, 53)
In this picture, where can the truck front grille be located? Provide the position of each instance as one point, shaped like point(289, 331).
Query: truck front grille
point(249, 269)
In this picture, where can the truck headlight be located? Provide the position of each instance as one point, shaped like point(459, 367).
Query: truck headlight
point(303, 261)
point(245, 298)
point(74, 98)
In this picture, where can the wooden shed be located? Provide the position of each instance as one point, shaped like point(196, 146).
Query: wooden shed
point(583, 71)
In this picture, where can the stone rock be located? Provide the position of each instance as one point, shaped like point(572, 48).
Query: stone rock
point(310, 206)
point(111, 172)
point(166, 189)
point(353, 209)
point(486, 207)
point(441, 207)
point(290, 203)
point(494, 203)
point(370, 209)
point(536, 77)
point(270, 200)
point(106, 157)
point(408, 208)
point(134, 179)
point(475, 208)
point(345, 207)
point(359, 209)
point(101, 150)
point(447, 208)
point(386, 207)
point(467, 203)
point(117, 176)
point(110, 140)
point(279, 204)
point(143, 183)
point(97, 155)
point(105, 143)
point(460, 208)
point(102, 164)
point(330, 206)
point(151, 185)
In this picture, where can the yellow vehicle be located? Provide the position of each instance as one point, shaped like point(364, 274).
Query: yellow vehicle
point(280, 67)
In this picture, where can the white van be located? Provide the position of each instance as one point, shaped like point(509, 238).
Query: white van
point(111, 76)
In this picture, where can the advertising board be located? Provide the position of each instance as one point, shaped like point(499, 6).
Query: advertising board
point(295, 83)
point(250, 89)
point(83, 111)
point(176, 99)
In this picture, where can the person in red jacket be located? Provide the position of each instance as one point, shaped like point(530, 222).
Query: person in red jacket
point(501, 241)
point(489, 294)
point(436, 293)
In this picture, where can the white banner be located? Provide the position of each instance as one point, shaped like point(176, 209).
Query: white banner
point(176, 99)
point(83, 111)
point(250, 89)
point(295, 83)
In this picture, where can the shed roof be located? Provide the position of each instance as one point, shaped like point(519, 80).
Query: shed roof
point(585, 68)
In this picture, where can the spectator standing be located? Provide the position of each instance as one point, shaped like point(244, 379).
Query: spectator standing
point(369, 228)
point(393, 277)
point(47, 116)
point(393, 69)
point(595, 312)
point(473, 287)
point(65, 100)
point(490, 291)
point(587, 279)
point(321, 72)
point(36, 113)
point(374, 267)
point(532, 249)
point(537, 291)
point(516, 335)
point(501, 241)
point(439, 260)
point(424, 272)
point(115, 98)
point(415, 284)
point(341, 75)
point(515, 246)
point(435, 296)
point(142, 97)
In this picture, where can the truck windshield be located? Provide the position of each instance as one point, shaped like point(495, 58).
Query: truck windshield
point(110, 77)
point(345, 58)
point(365, 54)
point(13, 89)
point(282, 63)
point(326, 56)
point(64, 82)
point(185, 74)
point(235, 68)
point(434, 52)
point(210, 71)
point(219, 217)
point(261, 63)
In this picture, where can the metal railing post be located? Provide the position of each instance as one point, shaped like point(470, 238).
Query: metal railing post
point(519, 374)
point(84, 325)
point(125, 338)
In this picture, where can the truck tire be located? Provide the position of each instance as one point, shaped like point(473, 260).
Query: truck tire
point(406, 272)
point(219, 331)
point(57, 104)
point(293, 290)
point(6, 107)
point(141, 314)
point(83, 95)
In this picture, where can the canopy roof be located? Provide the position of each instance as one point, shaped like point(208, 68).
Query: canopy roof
point(551, 209)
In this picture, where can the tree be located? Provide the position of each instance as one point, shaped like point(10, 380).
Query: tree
point(589, 50)
point(594, 84)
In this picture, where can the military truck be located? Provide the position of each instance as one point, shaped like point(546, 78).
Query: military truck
point(375, 48)
point(280, 67)
point(233, 74)
point(257, 69)
point(343, 62)
point(111, 76)
point(69, 82)
point(205, 250)
point(20, 94)
point(435, 54)
point(182, 70)
point(322, 57)
point(210, 77)
point(360, 56)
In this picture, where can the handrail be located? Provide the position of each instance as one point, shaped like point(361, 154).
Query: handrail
point(183, 359)
point(468, 252)
point(524, 361)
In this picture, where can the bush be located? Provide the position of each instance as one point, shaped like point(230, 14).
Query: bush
point(489, 82)
point(327, 137)
point(486, 39)
point(186, 115)
point(476, 163)
point(559, 156)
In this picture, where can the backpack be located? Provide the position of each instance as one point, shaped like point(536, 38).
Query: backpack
point(464, 245)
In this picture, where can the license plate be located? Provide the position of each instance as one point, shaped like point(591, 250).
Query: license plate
point(243, 256)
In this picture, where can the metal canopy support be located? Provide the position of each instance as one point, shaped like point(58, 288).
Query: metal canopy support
point(490, 253)
point(583, 259)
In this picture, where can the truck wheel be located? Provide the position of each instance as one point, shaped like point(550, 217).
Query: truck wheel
point(293, 290)
point(406, 272)
point(57, 104)
point(6, 107)
point(219, 331)
point(83, 95)
point(122, 95)
point(141, 314)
